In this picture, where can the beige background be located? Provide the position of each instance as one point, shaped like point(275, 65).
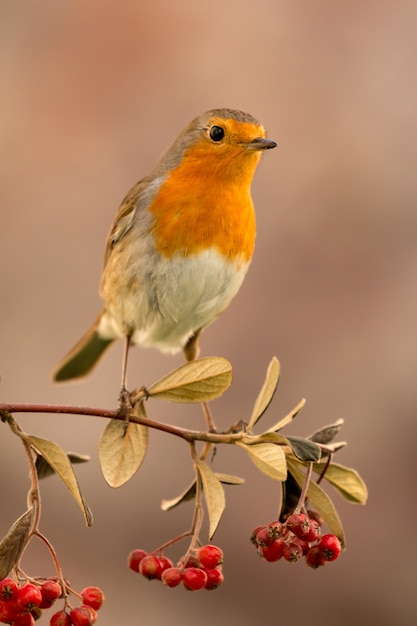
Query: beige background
point(92, 92)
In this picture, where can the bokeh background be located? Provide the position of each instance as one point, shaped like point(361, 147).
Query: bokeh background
point(92, 92)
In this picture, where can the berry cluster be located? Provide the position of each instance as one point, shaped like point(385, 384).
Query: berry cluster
point(201, 569)
point(300, 535)
point(22, 605)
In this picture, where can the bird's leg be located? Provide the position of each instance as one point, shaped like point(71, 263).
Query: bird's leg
point(191, 348)
point(125, 406)
point(191, 351)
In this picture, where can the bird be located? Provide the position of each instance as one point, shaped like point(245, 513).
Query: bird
point(180, 244)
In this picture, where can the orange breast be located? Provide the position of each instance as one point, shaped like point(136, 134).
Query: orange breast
point(206, 203)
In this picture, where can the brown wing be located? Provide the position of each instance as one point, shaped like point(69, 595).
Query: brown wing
point(124, 218)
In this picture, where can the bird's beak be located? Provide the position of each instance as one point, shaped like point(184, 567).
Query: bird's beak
point(260, 143)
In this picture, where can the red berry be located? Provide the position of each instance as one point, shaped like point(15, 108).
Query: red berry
point(303, 544)
point(134, 559)
point(171, 577)
point(298, 524)
point(314, 531)
point(329, 546)
point(210, 556)
point(166, 563)
point(8, 589)
point(263, 538)
point(192, 561)
point(275, 529)
point(254, 533)
point(51, 590)
point(29, 597)
point(194, 578)
point(25, 619)
point(292, 552)
point(273, 552)
point(314, 558)
point(151, 567)
point(83, 616)
point(61, 618)
point(93, 597)
point(214, 578)
point(9, 611)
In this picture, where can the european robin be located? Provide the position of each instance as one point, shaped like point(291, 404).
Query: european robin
point(180, 244)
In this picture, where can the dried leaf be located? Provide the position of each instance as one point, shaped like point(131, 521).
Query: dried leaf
point(122, 450)
point(185, 496)
point(213, 493)
point(346, 480)
point(58, 460)
point(288, 418)
point(268, 457)
point(321, 501)
point(197, 381)
point(13, 543)
point(266, 394)
point(304, 449)
point(326, 434)
point(44, 470)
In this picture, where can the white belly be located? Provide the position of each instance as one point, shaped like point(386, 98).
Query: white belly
point(178, 297)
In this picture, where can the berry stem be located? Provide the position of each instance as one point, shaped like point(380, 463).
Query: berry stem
point(171, 542)
point(55, 560)
point(304, 490)
point(326, 467)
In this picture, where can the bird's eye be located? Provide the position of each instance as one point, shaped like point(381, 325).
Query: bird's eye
point(216, 133)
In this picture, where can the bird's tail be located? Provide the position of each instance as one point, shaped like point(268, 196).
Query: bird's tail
point(84, 355)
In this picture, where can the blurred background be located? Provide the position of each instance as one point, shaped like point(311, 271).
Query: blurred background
point(92, 92)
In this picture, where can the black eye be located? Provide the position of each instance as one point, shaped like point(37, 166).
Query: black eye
point(216, 133)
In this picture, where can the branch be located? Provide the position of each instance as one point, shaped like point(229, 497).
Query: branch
point(183, 433)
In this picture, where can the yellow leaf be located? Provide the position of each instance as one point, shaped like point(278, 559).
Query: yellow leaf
point(213, 493)
point(288, 418)
point(197, 381)
point(227, 479)
point(346, 480)
point(59, 461)
point(189, 493)
point(266, 394)
point(122, 450)
point(43, 469)
point(268, 457)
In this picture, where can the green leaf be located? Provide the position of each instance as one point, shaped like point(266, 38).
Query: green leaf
point(44, 470)
point(185, 496)
point(266, 394)
point(346, 480)
point(197, 381)
point(122, 449)
point(55, 456)
point(213, 493)
point(268, 457)
point(14, 542)
point(288, 418)
point(304, 449)
point(321, 501)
